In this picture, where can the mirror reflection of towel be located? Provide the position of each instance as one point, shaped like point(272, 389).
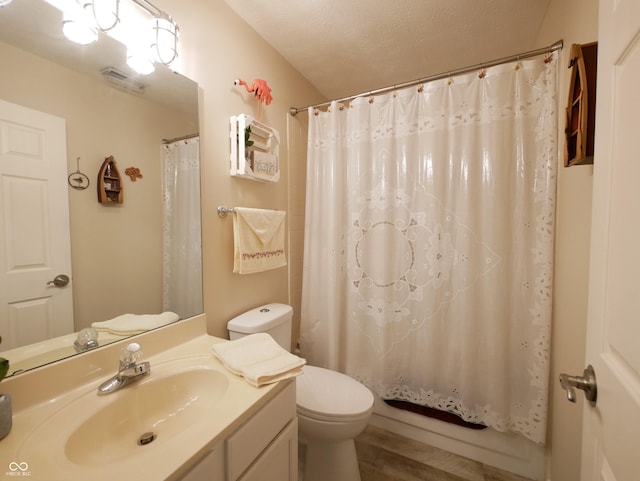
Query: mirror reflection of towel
point(258, 240)
point(129, 324)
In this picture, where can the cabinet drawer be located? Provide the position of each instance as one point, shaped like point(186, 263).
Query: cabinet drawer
point(246, 444)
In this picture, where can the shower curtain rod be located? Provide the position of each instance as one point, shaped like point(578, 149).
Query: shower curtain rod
point(184, 137)
point(492, 63)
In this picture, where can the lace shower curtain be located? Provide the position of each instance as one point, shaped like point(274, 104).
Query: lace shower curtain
point(429, 243)
point(181, 233)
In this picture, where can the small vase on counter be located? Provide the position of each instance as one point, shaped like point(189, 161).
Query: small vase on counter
point(5, 415)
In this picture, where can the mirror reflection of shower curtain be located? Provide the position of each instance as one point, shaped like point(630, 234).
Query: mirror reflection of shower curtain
point(181, 230)
point(429, 243)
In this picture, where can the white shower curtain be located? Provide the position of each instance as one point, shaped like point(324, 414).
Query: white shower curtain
point(429, 243)
point(181, 233)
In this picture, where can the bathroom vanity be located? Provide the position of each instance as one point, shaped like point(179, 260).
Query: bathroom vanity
point(263, 448)
point(189, 420)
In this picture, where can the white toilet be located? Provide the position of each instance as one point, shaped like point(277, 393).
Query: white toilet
point(332, 408)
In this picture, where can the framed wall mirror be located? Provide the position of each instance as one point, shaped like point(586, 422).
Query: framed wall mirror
point(122, 256)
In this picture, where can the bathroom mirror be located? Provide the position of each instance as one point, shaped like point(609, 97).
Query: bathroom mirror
point(117, 251)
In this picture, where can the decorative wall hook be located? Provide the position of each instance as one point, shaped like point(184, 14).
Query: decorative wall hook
point(259, 88)
point(77, 179)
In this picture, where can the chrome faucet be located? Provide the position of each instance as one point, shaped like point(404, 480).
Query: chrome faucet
point(129, 370)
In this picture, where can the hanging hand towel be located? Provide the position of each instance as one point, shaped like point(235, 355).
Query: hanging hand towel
point(129, 324)
point(258, 240)
point(259, 359)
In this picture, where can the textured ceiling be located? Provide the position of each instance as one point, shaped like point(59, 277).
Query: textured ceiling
point(346, 47)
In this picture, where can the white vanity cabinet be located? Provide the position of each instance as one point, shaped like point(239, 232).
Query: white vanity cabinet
point(211, 468)
point(264, 448)
point(279, 461)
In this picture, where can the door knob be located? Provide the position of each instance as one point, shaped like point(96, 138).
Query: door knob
point(61, 280)
point(586, 383)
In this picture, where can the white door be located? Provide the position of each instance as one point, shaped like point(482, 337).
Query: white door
point(610, 449)
point(34, 227)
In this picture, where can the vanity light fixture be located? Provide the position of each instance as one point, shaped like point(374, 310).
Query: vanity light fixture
point(106, 13)
point(158, 44)
point(139, 59)
point(4, 3)
point(77, 26)
point(165, 39)
point(84, 19)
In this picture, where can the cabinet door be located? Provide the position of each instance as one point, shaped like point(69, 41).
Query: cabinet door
point(211, 468)
point(279, 462)
point(245, 445)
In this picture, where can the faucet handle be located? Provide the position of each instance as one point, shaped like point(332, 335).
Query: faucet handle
point(131, 354)
point(87, 339)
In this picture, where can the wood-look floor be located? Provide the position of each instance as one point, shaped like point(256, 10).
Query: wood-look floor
point(385, 456)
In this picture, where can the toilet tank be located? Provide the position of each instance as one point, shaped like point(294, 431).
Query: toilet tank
point(274, 319)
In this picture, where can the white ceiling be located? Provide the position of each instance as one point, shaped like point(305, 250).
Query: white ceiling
point(346, 47)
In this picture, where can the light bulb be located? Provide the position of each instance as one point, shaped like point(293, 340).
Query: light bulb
point(139, 60)
point(4, 3)
point(77, 26)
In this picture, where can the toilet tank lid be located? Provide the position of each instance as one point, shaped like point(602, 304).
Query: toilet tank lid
point(261, 318)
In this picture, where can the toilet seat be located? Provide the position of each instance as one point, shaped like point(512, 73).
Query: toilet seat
point(328, 395)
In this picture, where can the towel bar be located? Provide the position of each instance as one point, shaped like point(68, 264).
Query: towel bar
point(223, 210)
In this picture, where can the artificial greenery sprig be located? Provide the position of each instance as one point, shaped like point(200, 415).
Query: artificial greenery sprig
point(247, 134)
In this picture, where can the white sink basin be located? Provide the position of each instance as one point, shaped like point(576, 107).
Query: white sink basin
point(171, 403)
point(189, 401)
point(164, 406)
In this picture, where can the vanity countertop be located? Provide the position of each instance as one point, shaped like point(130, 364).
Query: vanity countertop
point(37, 449)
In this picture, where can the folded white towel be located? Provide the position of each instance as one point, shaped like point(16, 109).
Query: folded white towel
point(129, 324)
point(259, 359)
point(258, 240)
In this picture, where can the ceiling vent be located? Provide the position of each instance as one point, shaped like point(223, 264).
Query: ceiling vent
point(122, 81)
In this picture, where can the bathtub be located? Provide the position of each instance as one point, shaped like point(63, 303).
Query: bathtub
point(508, 451)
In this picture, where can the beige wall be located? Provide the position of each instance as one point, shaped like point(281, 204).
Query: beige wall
point(297, 140)
point(116, 250)
point(574, 21)
point(219, 47)
point(239, 52)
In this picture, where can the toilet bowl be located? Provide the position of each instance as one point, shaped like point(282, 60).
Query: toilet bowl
point(333, 408)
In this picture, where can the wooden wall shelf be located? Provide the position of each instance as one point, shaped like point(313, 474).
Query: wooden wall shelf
point(109, 183)
point(581, 106)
